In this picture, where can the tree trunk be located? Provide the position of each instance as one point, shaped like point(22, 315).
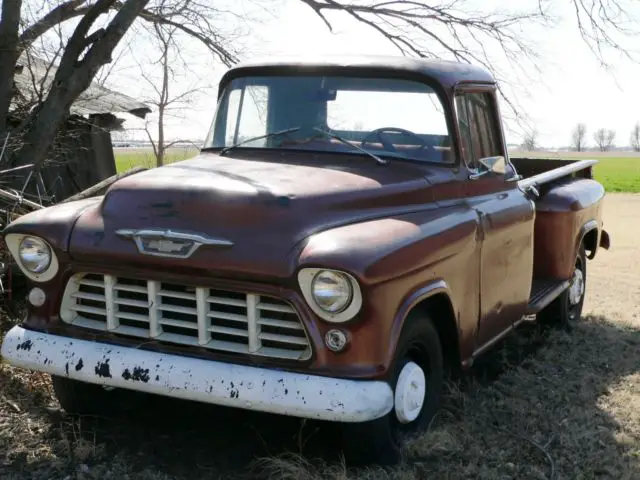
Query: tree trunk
point(8, 56)
point(160, 156)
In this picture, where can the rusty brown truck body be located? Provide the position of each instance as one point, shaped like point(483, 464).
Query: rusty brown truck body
point(351, 230)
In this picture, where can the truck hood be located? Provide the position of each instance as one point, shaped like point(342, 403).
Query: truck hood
point(255, 210)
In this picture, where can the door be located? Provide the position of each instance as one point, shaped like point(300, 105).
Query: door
point(505, 217)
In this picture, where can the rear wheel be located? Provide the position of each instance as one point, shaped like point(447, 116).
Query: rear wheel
point(417, 379)
point(566, 310)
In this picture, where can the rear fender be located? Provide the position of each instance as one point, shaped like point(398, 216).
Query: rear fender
point(588, 236)
point(567, 214)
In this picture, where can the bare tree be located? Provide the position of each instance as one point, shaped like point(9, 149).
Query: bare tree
point(635, 137)
point(604, 139)
point(86, 51)
point(579, 137)
point(84, 55)
point(530, 141)
point(166, 102)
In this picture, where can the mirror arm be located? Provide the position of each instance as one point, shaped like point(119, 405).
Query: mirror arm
point(477, 174)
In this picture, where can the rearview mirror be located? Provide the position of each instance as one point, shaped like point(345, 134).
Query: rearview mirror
point(496, 165)
point(324, 95)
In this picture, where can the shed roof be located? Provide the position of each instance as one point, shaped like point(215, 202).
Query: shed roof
point(35, 73)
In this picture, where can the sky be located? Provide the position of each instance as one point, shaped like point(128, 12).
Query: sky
point(571, 86)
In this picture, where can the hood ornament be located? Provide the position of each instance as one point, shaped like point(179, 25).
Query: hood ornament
point(170, 243)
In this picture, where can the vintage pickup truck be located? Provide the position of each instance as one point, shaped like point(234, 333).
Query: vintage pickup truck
point(352, 230)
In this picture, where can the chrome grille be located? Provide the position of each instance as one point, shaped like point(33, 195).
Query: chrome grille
point(199, 316)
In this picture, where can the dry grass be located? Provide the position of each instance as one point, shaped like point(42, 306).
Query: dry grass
point(544, 405)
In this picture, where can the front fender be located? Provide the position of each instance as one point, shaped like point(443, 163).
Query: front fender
point(54, 223)
point(385, 249)
point(399, 261)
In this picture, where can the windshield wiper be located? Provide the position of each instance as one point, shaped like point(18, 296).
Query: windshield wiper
point(268, 135)
point(380, 161)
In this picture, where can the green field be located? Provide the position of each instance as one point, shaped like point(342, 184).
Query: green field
point(617, 174)
point(127, 158)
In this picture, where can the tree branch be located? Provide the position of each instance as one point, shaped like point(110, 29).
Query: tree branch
point(223, 54)
point(63, 12)
point(450, 28)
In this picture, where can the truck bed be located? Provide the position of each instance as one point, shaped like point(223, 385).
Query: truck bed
point(568, 212)
point(538, 171)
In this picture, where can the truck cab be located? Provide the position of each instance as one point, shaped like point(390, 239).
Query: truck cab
point(352, 229)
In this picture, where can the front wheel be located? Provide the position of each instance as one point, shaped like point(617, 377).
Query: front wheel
point(566, 310)
point(417, 381)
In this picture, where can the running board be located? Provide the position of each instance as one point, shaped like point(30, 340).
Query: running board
point(543, 292)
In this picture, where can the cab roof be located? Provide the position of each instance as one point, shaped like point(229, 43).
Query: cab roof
point(446, 73)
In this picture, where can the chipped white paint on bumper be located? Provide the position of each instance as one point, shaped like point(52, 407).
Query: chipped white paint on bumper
point(253, 388)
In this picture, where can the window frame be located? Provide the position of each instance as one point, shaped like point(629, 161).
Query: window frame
point(488, 90)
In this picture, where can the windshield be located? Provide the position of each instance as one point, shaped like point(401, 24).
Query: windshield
point(387, 117)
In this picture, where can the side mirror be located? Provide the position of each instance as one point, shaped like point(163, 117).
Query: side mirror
point(497, 165)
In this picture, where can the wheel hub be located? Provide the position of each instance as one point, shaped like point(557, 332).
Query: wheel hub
point(410, 394)
point(576, 289)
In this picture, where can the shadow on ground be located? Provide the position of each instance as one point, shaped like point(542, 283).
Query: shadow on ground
point(541, 405)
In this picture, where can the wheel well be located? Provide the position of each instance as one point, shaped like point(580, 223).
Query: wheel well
point(590, 241)
point(439, 308)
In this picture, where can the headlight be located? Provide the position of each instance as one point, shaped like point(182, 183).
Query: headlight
point(334, 296)
point(34, 254)
point(331, 291)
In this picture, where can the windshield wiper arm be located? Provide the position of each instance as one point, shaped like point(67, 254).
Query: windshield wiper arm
point(380, 161)
point(267, 135)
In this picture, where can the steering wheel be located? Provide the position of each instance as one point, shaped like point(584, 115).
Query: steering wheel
point(385, 143)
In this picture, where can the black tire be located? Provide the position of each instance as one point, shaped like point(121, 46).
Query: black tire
point(381, 441)
point(564, 311)
point(81, 398)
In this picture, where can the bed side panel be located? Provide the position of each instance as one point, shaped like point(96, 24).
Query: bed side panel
point(565, 212)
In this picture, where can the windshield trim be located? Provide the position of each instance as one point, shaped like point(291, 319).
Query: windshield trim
point(389, 155)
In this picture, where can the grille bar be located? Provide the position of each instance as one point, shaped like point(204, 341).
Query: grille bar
point(198, 316)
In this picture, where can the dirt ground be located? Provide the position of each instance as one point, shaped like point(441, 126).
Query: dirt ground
point(546, 404)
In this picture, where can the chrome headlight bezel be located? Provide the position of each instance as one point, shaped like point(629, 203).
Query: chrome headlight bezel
point(306, 279)
point(14, 242)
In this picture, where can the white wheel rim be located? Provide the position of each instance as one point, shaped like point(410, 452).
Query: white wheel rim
point(410, 394)
point(576, 290)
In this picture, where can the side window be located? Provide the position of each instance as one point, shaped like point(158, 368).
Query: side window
point(477, 125)
point(464, 127)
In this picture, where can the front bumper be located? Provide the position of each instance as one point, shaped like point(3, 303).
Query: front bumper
point(251, 388)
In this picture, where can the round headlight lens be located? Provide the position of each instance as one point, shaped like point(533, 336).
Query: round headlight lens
point(35, 254)
point(331, 291)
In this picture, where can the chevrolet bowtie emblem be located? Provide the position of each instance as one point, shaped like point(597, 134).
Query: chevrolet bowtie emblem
point(170, 243)
point(164, 246)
